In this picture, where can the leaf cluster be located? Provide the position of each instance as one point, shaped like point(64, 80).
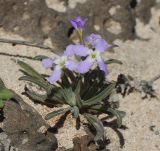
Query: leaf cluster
point(84, 94)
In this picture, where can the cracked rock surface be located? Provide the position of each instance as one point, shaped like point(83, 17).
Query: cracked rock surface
point(36, 21)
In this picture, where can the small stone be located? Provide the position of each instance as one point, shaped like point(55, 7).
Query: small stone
point(113, 27)
point(113, 10)
point(156, 132)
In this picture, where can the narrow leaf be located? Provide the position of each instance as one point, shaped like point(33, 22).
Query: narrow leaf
point(69, 96)
point(118, 115)
point(29, 70)
point(110, 61)
point(77, 93)
point(78, 87)
point(65, 81)
point(56, 113)
point(75, 111)
point(98, 107)
point(58, 97)
point(121, 113)
point(36, 97)
point(43, 84)
point(92, 90)
point(6, 94)
point(98, 125)
point(40, 57)
point(2, 103)
point(102, 95)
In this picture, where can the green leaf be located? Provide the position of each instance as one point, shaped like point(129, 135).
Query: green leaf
point(75, 111)
point(40, 57)
point(58, 97)
point(119, 115)
point(92, 90)
point(102, 95)
point(78, 88)
point(6, 94)
point(36, 97)
point(41, 83)
point(110, 61)
point(2, 103)
point(77, 93)
point(29, 70)
point(98, 125)
point(69, 96)
point(98, 107)
point(79, 101)
point(56, 113)
point(65, 81)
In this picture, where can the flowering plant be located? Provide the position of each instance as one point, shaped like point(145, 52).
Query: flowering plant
point(78, 80)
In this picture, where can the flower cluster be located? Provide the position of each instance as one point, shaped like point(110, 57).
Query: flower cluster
point(79, 58)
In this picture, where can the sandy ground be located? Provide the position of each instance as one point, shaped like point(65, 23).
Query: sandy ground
point(140, 59)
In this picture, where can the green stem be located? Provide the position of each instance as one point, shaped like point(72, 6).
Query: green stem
point(80, 35)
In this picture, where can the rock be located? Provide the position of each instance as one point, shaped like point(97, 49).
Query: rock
point(33, 20)
point(37, 22)
point(25, 128)
point(5, 143)
point(114, 18)
point(143, 9)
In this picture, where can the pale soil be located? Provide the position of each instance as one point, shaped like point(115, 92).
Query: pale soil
point(140, 59)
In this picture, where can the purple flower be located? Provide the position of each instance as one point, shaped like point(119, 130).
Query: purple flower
point(102, 66)
point(91, 57)
point(78, 23)
point(97, 42)
point(79, 50)
point(59, 63)
point(56, 75)
point(47, 63)
point(85, 66)
point(92, 37)
point(69, 50)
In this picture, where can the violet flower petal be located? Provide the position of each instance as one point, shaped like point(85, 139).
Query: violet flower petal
point(56, 75)
point(101, 45)
point(92, 37)
point(82, 23)
point(103, 67)
point(47, 63)
point(69, 50)
point(74, 24)
point(81, 50)
point(84, 66)
point(78, 22)
point(71, 65)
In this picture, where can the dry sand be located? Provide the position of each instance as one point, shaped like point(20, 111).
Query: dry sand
point(140, 59)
